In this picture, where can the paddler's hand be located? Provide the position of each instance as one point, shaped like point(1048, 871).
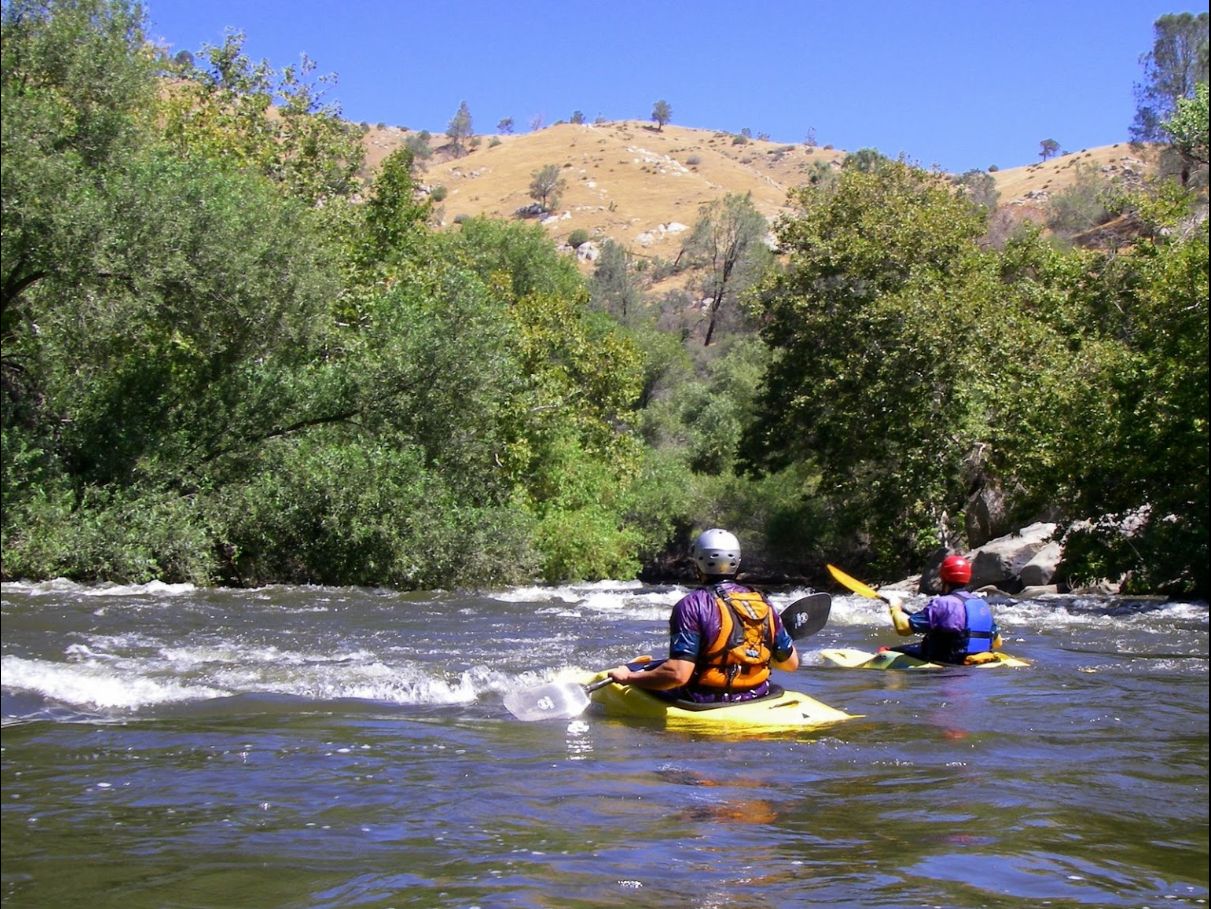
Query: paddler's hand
point(895, 607)
point(620, 674)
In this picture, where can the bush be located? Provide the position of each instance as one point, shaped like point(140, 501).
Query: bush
point(578, 238)
point(125, 536)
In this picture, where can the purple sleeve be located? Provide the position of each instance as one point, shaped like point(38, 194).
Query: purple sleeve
point(783, 642)
point(693, 624)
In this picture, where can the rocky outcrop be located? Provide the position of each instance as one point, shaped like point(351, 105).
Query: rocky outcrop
point(999, 563)
point(1022, 561)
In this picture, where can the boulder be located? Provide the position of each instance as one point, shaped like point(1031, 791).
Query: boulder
point(985, 514)
point(1040, 570)
point(999, 563)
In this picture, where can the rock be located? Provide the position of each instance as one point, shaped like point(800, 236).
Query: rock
point(1040, 570)
point(1034, 592)
point(930, 583)
point(985, 514)
point(1000, 562)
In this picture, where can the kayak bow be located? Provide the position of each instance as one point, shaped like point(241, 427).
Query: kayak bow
point(893, 659)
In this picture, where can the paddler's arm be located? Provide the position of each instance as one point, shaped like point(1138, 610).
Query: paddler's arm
point(899, 618)
point(789, 664)
point(669, 674)
point(784, 655)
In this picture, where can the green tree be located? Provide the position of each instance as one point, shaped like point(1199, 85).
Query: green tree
point(614, 287)
point(661, 113)
point(1088, 202)
point(727, 244)
point(981, 187)
point(418, 144)
point(73, 86)
point(874, 357)
point(1172, 69)
point(865, 159)
point(505, 125)
point(1187, 130)
point(460, 128)
point(547, 185)
point(223, 113)
point(1048, 148)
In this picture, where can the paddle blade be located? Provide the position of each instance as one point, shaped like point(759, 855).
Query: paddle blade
point(807, 616)
point(853, 583)
point(553, 701)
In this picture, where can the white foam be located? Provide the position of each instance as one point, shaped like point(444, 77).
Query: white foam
point(94, 685)
point(60, 586)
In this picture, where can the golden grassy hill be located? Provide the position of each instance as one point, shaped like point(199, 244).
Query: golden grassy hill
point(624, 180)
point(1123, 160)
point(642, 186)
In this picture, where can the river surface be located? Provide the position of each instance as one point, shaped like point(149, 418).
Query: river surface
point(324, 747)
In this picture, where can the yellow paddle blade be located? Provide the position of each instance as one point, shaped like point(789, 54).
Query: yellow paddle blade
point(853, 583)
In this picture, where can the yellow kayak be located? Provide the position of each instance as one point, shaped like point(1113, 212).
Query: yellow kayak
point(893, 659)
point(785, 711)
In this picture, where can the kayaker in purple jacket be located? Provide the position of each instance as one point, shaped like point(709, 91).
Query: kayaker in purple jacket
point(957, 626)
point(723, 637)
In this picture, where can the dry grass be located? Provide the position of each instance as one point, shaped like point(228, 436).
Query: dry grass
point(1048, 177)
point(624, 180)
point(642, 187)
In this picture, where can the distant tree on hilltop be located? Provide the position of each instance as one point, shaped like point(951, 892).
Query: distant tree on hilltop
point(661, 113)
point(1048, 148)
point(1172, 69)
point(460, 129)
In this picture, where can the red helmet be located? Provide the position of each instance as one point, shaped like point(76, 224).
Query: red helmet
point(955, 570)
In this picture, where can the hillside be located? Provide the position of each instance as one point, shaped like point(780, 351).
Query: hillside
point(642, 186)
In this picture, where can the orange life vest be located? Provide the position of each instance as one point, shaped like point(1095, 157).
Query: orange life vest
point(738, 659)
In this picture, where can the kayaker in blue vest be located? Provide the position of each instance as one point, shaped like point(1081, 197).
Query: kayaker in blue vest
point(723, 637)
point(957, 626)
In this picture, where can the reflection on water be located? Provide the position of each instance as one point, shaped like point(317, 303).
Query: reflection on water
point(346, 748)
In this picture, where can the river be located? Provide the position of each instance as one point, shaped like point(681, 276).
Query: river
point(168, 746)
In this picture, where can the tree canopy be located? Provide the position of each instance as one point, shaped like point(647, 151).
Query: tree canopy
point(1174, 66)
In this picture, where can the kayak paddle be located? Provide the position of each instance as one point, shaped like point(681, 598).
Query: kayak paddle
point(553, 701)
point(855, 585)
point(565, 700)
point(808, 615)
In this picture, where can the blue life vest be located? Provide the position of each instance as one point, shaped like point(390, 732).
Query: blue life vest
point(960, 624)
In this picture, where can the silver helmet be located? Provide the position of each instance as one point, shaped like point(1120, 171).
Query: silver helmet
point(716, 552)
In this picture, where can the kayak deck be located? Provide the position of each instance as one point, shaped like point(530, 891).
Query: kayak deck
point(789, 710)
point(893, 659)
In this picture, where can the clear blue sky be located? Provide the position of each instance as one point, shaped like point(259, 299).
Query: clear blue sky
point(959, 85)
